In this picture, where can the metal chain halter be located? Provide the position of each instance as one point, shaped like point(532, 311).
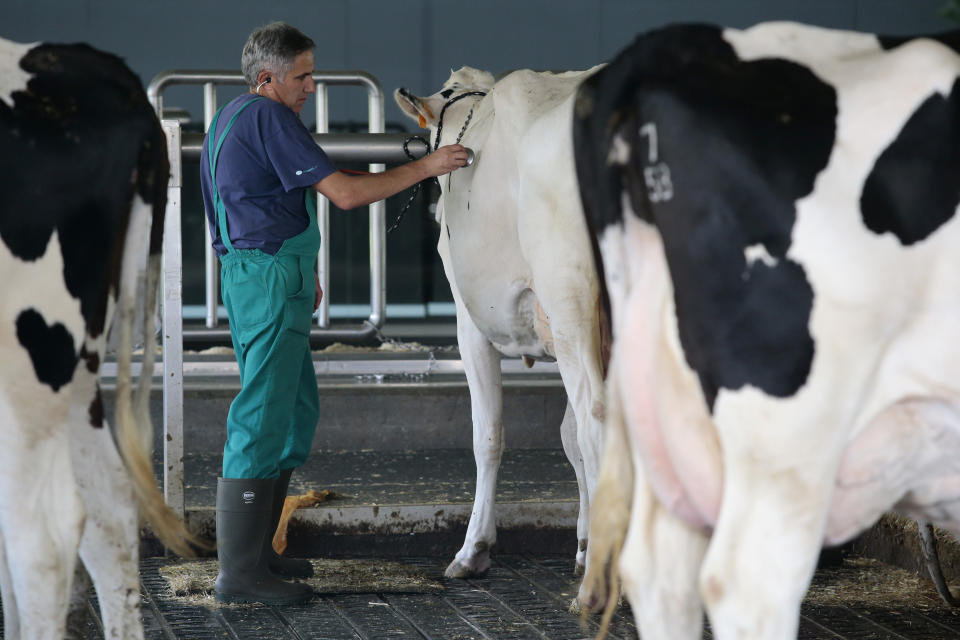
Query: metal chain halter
point(436, 145)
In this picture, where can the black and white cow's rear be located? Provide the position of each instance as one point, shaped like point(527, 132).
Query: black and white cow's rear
point(775, 210)
point(83, 175)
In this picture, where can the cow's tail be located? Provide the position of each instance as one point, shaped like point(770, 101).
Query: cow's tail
point(134, 430)
point(609, 518)
point(611, 502)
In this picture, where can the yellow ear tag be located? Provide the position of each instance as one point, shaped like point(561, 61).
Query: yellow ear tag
point(423, 121)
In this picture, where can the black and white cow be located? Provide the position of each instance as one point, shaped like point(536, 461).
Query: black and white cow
point(83, 173)
point(776, 212)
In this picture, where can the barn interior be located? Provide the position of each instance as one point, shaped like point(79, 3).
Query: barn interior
point(394, 442)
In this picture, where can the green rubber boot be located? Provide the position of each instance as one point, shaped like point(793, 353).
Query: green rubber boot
point(244, 508)
point(284, 567)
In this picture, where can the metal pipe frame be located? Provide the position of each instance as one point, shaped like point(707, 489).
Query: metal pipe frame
point(211, 273)
point(172, 335)
point(323, 216)
point(339, 149)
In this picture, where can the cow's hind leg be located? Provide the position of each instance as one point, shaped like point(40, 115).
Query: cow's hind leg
point(110, 543)
point(659, 566)
point(568, 435)
point(41, 516)
point(481, 364)
point(577, 346)
point(767, 539)
point(11, 621)
point(568, 298)
point(109, 546)
point(79, 596)
point(655, 555)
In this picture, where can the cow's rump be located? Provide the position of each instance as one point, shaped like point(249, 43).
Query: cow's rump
point(775, 212)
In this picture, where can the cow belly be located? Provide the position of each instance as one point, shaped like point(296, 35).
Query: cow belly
point(516, 327)
point(507, 312)
point(907, 459)
point(489, 275)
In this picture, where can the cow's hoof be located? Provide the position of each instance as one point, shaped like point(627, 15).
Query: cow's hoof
point(580, 560)
point(588, 601)
point(456, 569)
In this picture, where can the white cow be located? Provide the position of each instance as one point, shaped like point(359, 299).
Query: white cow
point(83, 170)
point(516, 253)
point(776, 211)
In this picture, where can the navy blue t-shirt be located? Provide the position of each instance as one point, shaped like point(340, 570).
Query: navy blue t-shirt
point(265, 163)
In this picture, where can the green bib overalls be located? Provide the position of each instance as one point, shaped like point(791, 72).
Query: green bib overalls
point(269, 301)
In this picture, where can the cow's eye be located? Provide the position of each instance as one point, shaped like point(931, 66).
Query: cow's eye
point(446, 93)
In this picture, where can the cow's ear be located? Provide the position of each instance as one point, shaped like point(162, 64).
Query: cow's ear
point(417, 108)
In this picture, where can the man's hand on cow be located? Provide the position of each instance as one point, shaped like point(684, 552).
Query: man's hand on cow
point(445, 159)
point(318, 295)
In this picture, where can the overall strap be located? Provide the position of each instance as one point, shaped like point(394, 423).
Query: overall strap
point(220, 211)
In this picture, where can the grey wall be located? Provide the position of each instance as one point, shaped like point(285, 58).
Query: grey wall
point(413, 43)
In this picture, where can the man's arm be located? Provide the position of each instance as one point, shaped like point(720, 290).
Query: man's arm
point(348, 192)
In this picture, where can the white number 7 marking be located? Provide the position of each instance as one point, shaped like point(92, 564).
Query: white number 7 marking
point(650, 130)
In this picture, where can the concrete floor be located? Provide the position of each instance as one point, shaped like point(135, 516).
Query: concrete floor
point(524, 596)
point(395, 449)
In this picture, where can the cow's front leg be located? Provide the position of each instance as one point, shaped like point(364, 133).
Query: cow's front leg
point(481, 363)
point(568, 435)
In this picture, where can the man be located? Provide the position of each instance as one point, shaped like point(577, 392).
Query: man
point(259, 166)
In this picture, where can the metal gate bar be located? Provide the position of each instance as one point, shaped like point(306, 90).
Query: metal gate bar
point(377, 211)
point(172, 334)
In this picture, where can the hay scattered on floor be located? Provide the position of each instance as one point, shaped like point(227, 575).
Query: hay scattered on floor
point(193, 580)
point(864, 582)
point(389, 346)
point(214, 351)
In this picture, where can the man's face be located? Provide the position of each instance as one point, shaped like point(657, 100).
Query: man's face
point(297, 84)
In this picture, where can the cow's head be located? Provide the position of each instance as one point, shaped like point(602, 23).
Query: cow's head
point(426, 110)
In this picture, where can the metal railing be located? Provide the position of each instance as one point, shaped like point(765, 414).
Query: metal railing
point(374, 147)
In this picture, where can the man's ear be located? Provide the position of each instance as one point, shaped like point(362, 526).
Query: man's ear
point(264, 78)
